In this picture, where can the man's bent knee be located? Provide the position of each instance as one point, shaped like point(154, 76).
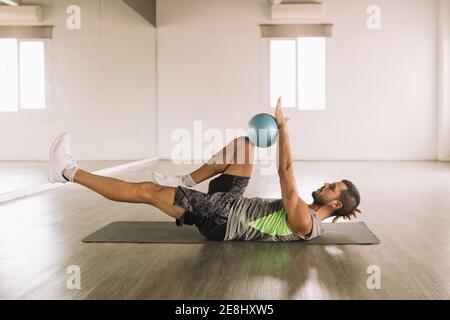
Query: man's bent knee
point(243, 151)
point(147, 192)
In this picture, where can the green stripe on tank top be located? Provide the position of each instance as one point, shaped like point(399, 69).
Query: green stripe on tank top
point(273, 224)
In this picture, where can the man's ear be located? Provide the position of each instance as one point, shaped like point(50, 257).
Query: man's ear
point(336, 204)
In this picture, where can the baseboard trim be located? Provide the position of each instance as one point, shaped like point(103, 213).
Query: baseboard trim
point(26, 192)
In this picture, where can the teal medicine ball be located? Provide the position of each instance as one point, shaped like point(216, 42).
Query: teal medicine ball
point(263, 130)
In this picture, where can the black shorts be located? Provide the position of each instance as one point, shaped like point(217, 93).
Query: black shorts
point(209, 211)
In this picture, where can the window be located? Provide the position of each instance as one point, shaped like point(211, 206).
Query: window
point(22, 75)
point(298, 72)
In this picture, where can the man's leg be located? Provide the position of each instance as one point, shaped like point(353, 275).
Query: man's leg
point(63, 168)
point(235, 159)
point(236, 154)
point(122, 191)
point(243, 159)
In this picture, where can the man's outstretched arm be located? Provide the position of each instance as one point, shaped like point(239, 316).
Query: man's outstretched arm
point(298, 212)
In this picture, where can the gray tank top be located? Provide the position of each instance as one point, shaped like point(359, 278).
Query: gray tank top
point(259, 219)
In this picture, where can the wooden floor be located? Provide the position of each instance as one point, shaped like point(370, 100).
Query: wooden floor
point(407, 204)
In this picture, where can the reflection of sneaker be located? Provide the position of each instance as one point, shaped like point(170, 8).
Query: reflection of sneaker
point(168, 181)
point(60, 159)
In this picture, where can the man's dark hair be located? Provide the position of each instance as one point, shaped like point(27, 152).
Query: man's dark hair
point(349, 198)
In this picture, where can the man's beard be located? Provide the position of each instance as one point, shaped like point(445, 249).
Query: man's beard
point(317, 200)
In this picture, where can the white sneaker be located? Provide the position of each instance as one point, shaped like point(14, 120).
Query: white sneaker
point(168, 181)
point(60, 159)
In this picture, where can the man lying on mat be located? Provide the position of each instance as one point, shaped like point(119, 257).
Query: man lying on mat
point(223, 214)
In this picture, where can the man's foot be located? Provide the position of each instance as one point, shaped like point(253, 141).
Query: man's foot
point(168, 181)
point(62, 166)
point(173, 181)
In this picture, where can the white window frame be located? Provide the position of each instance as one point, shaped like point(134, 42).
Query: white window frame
point(266, 75)
point(47, 73)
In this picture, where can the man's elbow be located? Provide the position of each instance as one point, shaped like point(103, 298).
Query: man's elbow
point(290, 199)
point(285, 169)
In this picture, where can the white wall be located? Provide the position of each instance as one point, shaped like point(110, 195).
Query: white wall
point(382, 97)
point(444, 81)
point(103, 87)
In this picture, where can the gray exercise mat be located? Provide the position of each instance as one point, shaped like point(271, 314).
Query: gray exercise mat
point(356, 233)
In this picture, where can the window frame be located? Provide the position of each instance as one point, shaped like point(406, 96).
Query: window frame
point(266, 74)
point(47, 75)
